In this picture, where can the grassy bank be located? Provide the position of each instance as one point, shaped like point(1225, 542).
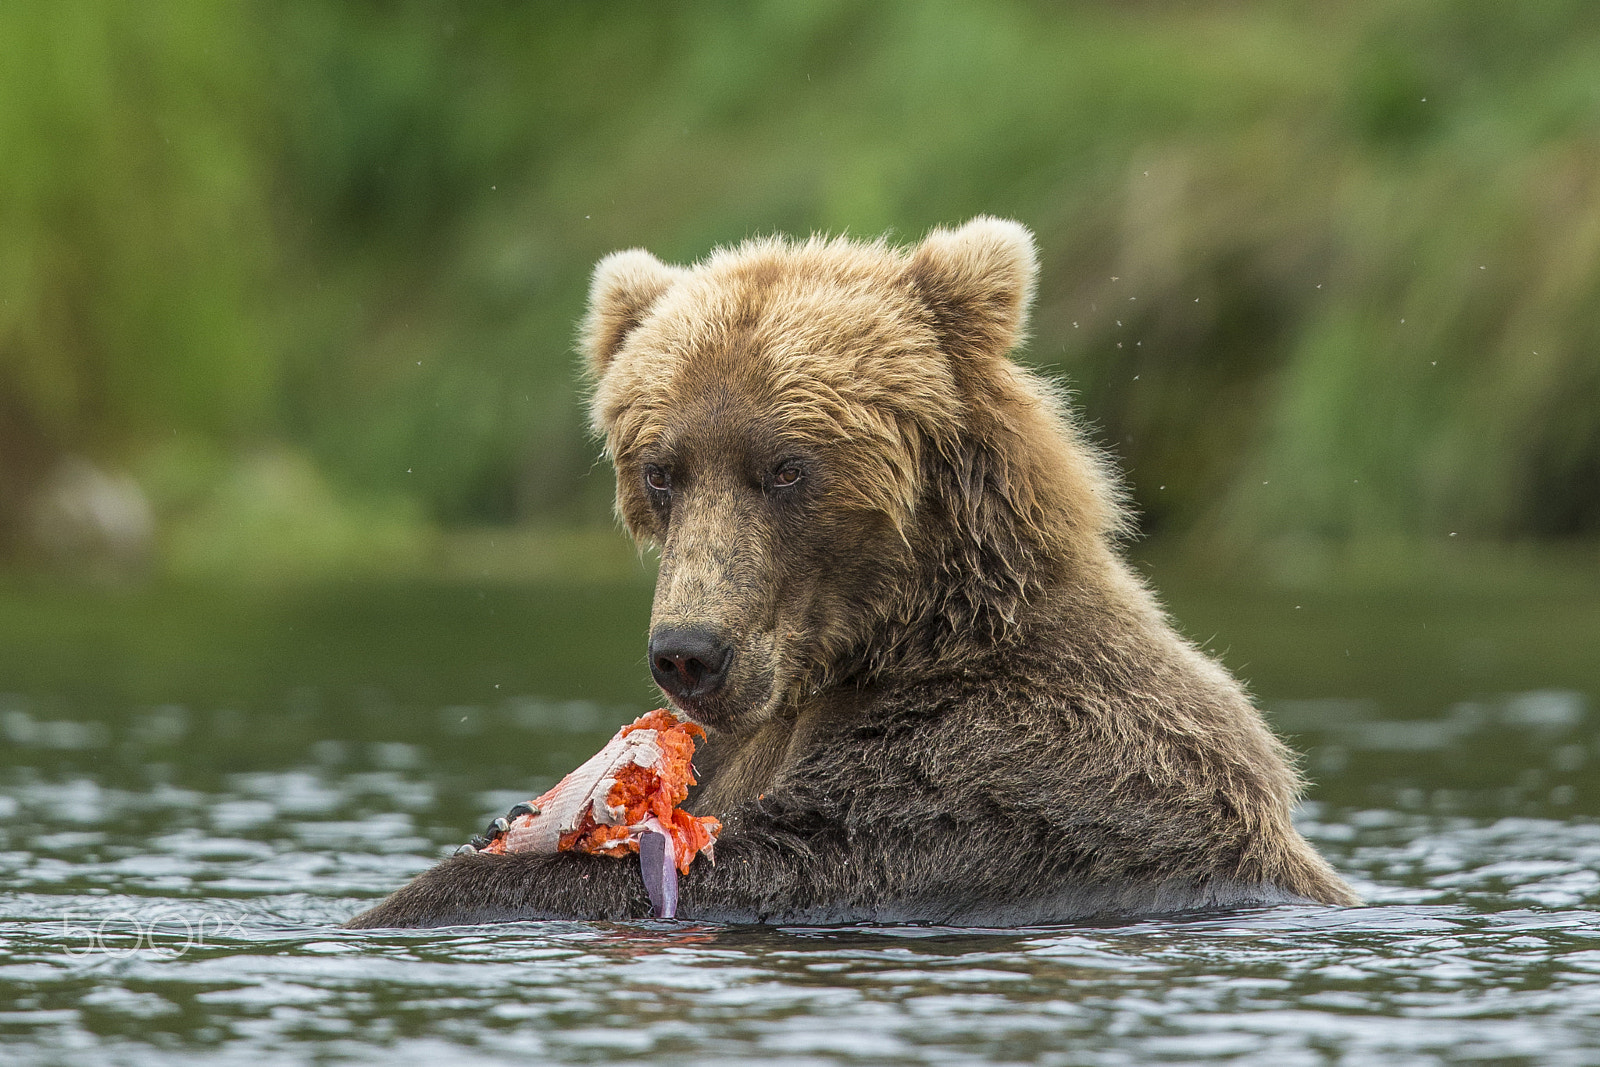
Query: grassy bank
point(1318, 274)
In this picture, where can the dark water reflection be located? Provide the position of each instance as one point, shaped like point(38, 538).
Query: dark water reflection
point(184, 818)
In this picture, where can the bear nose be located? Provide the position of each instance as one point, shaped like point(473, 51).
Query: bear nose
point(689, 662)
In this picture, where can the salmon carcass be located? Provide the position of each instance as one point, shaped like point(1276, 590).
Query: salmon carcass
point(631, 788)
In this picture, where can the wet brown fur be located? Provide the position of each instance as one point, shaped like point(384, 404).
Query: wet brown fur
point(949, 698)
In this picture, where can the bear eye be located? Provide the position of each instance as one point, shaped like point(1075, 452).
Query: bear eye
point(786, 475)
point(657, 479)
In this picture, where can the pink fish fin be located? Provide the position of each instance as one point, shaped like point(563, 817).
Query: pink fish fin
point(658, 863)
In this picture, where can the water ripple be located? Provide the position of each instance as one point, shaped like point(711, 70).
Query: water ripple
point(195, 919)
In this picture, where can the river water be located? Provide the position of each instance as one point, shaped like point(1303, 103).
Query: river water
point(197, 787)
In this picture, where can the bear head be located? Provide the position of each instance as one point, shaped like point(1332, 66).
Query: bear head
point(842, 469)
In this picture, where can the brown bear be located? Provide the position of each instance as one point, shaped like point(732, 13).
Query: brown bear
point(890, 590)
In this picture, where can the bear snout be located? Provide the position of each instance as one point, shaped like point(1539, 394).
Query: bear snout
point(689, 663)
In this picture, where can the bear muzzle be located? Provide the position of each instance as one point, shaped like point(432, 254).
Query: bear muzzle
point(689, 663)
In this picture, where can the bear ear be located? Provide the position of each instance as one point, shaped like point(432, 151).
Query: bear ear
point(624, 288)
point(977, 282)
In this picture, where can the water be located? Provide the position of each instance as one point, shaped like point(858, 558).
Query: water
point(195, 788)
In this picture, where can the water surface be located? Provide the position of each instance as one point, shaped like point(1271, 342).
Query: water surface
point(195, 788)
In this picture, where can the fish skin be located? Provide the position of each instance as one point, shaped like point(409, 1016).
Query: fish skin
point(561, 808)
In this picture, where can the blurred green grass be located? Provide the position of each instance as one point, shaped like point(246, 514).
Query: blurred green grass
point(1320, 275)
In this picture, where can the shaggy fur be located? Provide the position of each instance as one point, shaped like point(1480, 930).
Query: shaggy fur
point(947, 698)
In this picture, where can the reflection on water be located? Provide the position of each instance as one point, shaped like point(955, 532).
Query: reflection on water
point(174, 870)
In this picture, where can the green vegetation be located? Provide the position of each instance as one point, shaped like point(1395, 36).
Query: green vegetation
point(1320, 275)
